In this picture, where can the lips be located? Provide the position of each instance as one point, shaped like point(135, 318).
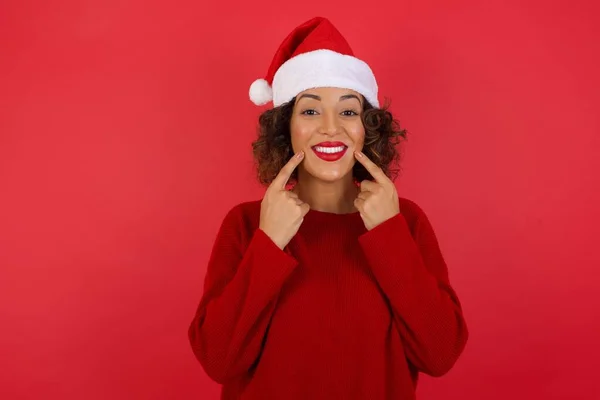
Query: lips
point(330, 151)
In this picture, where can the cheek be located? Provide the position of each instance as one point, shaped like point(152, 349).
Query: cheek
point(300, 135)
point(357, 135)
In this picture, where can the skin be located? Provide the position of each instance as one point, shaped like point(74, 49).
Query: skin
point(326, 114)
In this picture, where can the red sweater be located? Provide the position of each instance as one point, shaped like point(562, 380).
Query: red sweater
point(342, 313)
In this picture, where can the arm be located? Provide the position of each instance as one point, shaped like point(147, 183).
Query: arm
point(414, 277)
point(240, 291)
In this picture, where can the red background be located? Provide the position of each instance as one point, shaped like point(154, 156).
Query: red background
point(125, 133)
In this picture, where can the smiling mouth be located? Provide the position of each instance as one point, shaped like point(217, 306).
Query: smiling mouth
point(330, 153)
point(329, 150)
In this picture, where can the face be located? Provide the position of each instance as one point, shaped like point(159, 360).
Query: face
point(326, 124)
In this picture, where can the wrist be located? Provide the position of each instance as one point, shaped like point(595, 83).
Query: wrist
point(277, 241)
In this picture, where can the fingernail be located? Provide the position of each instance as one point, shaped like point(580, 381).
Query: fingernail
point(359, 153)
point(300, 155)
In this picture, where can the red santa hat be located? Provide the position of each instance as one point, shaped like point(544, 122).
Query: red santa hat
point(315, 54)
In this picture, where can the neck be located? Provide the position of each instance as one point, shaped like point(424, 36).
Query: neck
point(334, 197)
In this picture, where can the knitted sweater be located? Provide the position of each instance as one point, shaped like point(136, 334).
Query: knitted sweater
point(340, 313)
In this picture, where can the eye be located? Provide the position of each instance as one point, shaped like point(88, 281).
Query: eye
point(309, 112)
point(349, 113)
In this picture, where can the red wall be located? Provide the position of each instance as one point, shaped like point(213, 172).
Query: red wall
point(125, 130)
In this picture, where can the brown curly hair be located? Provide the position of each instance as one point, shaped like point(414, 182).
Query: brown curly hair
point(273, 149)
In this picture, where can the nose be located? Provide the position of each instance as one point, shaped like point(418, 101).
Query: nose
point(329, 124)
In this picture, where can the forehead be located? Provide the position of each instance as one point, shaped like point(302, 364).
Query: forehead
point(330, 92)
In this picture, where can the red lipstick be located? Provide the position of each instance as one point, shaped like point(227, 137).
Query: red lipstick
point(330, 151)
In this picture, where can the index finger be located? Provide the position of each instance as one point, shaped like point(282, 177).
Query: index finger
point(288, 169)
point(374, 170)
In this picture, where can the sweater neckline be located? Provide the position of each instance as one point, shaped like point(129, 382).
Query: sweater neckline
point(325, 221)
point(329, 214)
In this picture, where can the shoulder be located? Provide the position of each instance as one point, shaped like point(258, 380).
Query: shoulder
point(410, 208)
point(245, 215)
point(246, 209)
point(413, 213)
point(239, 224)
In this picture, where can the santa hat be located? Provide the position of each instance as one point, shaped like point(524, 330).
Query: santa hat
point(315, 54)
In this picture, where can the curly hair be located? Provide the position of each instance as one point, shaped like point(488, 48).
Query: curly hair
point(273, 147)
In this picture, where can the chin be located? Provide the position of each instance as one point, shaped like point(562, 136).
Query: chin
point(330, 174)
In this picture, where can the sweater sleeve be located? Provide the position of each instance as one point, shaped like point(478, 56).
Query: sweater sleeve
point(240, 292)
point(414, 277)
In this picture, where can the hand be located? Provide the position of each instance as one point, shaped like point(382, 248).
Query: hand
point(377, 201)
point(281, 211)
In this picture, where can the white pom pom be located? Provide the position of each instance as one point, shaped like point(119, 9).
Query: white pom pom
point(260, 92)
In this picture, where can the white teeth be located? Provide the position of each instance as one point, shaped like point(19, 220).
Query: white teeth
point(329, 150)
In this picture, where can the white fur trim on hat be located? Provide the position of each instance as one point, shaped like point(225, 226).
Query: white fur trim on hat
point(323, 68)
point(260, 92)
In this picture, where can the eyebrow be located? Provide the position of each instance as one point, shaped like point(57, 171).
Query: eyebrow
point(350, 96)
point(344, 97)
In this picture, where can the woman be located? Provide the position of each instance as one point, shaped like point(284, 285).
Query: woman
point(331, 286)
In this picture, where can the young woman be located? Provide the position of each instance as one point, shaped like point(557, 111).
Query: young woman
point(332, 286)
